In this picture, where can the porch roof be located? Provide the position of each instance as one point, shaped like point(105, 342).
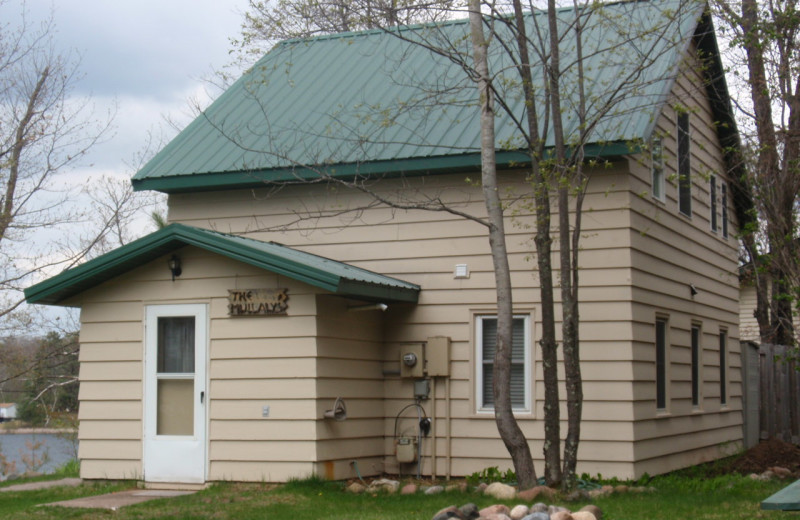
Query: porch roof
point(337, 277)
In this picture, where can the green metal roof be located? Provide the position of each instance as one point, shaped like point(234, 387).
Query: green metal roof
point(369, 102)
point(336, 277)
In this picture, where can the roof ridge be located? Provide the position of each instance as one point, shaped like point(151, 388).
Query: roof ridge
point(421, 25)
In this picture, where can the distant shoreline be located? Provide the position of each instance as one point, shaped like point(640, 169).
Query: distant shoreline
point(36, 430)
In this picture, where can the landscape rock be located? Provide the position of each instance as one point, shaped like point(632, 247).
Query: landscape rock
point(780, 471)
point(607, 489)
point(409, 489)
point(519, 512)
point(356, 488)
point(556, 509)
point(583, 515)
point(529, 495)
point(539, 507)
point(384, 484)
point(469, 511)
point(538, 515)
point(561, 515)
point(498, 516)
point(594, 493)
point(578, 494)
point(596, 511)
point(434, 490)
point(448, 512)
point(460, 486)
point(500, 491)
point(496, 509)
point(480, 488)
point(622, 488)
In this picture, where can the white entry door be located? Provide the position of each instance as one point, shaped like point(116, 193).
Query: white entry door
point(175, 393)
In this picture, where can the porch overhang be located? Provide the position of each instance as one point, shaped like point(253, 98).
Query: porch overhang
point(337, 277)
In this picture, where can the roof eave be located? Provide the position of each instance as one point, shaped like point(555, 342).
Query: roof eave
point(462, 163)
point(59, 289)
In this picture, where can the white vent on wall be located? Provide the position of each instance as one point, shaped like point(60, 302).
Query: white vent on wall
point(462, 271)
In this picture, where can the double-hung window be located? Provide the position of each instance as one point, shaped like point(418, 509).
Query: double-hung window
point(661, 363)
point(657, 160)
point(723, 367)
point(486, 345)
point(696, 360)
point(724, 203)
point(684, 166)
point(712, 188)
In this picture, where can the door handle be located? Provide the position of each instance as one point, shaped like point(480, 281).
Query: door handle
point(202, 395)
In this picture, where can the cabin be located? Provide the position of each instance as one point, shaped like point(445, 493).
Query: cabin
point(8, 411)
point(304, 312)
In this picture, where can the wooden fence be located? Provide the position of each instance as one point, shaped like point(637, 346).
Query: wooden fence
point(779, 393)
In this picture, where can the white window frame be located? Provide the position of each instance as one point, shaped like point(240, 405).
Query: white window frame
point(527, 372)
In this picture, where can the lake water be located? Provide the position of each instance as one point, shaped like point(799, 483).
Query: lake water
point(59, 449)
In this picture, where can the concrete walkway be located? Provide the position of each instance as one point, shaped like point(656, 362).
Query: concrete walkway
point(32, 486)
point(114, 501)
point(111, 501)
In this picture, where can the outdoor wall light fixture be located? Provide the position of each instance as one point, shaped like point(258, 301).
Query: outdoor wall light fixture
point(693, 289)
point(369, 307)
point(174, 264)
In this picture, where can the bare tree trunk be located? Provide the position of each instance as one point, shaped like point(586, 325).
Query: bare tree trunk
point(507, 426)
point(570, 326)
point(543, 240)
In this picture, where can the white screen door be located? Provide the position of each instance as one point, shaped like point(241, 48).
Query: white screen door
point(174, 393)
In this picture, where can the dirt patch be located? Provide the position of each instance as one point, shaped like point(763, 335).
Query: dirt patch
point(765, 455)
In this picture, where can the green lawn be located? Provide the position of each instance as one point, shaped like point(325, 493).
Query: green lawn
point(727, 497)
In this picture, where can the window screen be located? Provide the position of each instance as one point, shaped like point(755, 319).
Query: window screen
point(489, 346)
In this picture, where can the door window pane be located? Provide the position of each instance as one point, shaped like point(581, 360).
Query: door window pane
point(175, 407)
point(176, 345)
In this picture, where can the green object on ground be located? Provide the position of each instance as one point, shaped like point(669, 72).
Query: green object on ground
point(787, 499)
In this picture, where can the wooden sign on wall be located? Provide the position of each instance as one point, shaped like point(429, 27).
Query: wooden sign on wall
point(257, 302)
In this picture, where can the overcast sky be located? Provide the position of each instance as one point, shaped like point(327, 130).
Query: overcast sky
point(144, 57)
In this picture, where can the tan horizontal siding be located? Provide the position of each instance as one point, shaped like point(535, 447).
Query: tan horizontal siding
point(266, 451)
point(111, 469)
point(111, 351)
point(349, 353)
point(110, 429)
point(103, 410)
point(251, 409)
point(257, 471)
point(110, 449)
